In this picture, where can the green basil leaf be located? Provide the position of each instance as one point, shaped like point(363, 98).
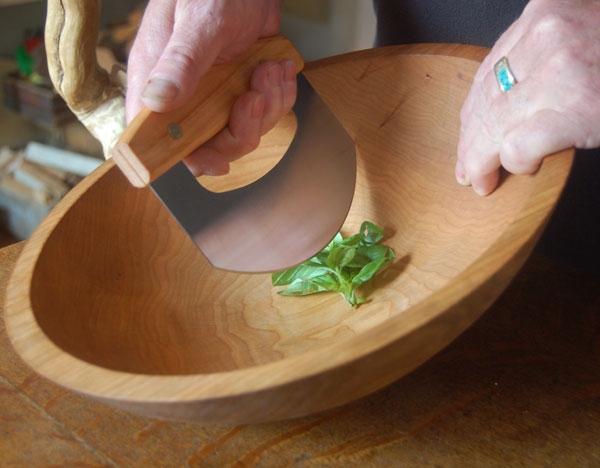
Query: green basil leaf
point(352, 240)
point(370, 233)
point(320, 258)
point(374, 252)
point(300, 287)
point(368, 271)
point(305, 271)
point(358, 261)
point(342, 266)
point(328, 282)
point(335, 241)
point(340, 256)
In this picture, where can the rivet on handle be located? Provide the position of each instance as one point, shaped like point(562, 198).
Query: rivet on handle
point(175, 131)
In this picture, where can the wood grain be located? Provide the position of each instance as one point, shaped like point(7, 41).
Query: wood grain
point(110, 298)
point(519, 388)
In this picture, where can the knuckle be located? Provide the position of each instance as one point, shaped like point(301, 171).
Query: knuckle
point(563, 59)
point(474, 167)
point(509, 154)
point(514, 160)
point(550, 23)
point(180, 57)
point(247, 144)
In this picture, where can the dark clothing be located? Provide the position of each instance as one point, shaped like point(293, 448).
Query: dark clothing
point(573, 233)
point(477, 22)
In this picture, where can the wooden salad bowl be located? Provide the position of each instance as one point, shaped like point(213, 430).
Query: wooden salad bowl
point(111, 299)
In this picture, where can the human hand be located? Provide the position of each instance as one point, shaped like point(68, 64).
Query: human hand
point(179, 40)
point(554, 52)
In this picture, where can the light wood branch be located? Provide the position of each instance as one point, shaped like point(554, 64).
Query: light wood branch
point(95, 96)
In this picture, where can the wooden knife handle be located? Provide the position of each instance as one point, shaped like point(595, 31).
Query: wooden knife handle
point(154, 142)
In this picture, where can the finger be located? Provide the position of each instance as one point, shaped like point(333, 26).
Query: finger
point(277, 82)
point(476, 116)
point(524, 148)
point(207, 161)
point(151, 39)
point(480, 167)
point(479, 143)
point(272, 96)
point(478, 163)
point(204, 33)
point(487, 116)
point(290, 85)
point(241, 136)
point(194, 44)
point(484, 184)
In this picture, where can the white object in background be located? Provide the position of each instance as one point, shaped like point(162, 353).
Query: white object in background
point(67, 161)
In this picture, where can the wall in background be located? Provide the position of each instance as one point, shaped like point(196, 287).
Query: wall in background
point(318, 28)
point(321, 28)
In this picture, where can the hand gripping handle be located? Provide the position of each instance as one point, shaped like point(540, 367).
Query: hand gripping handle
point(154, 142)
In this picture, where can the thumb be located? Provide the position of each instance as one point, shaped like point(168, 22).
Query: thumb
point(526, 145)
point(184, 60)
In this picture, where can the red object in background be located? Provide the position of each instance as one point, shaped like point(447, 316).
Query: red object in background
point(33, 43)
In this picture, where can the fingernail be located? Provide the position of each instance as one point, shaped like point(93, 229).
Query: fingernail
point(160, 89)
point(213, 171)
point(207, 163)
point(210, 167)
point(460, 173)
point(479, 190)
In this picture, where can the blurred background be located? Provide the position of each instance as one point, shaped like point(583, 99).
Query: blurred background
point(45, 151)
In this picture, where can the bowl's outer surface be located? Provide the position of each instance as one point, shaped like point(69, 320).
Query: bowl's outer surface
point(111, 299)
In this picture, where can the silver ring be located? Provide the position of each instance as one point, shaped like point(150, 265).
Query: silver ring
point(504, 75)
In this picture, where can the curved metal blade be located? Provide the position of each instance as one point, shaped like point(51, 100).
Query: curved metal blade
point(288, 215)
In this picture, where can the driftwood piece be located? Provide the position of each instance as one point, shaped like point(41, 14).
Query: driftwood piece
point(96, 97)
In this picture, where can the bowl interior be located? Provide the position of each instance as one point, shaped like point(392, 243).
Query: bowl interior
point(118, 284)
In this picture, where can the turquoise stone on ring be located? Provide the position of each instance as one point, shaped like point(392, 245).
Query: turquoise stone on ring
point(504, 75)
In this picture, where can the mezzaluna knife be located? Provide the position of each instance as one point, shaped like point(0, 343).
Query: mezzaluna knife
point(276, 222)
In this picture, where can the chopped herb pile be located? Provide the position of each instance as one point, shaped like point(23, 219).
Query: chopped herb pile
point(343, 266)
